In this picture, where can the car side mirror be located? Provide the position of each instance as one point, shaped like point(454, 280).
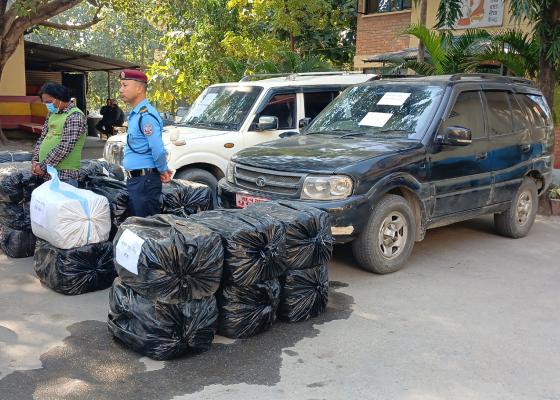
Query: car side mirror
point(267, 123)
point(304, 122)
point(455, 136)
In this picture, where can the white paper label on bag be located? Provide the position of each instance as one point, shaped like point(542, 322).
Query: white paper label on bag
point(38, 212)
point(128, 251)
point(375, 119)
point(393, 99)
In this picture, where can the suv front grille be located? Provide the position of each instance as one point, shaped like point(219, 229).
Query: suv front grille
point(114, 152)
point(264, 180)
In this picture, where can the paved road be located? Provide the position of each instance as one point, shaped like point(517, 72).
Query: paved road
point(473, 316)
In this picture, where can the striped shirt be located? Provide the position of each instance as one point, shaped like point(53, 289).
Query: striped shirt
point(74, 126)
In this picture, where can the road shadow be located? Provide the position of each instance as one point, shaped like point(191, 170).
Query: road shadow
point(91, 365)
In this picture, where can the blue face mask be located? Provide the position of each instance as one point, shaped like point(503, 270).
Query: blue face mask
point(52, 108)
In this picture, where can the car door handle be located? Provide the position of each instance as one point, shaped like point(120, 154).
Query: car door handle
point(526, 148)
point(481, 156)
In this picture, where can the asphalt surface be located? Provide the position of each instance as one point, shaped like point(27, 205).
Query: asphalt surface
point(472, 316)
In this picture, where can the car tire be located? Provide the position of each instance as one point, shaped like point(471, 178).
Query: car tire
point(393, 218)
point(201, 176)
point(517, 221)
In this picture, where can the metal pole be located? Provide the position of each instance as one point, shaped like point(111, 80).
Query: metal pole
point(109, 84)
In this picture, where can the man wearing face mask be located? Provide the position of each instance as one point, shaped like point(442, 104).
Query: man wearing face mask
point(63, 135)
point(145, 158)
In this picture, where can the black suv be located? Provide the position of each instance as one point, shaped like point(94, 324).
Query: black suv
point(392, 158)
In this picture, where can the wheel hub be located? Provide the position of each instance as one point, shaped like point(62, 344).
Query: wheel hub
point(392, 235)
point(524, 207)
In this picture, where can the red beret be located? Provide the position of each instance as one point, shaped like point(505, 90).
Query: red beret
point(134, 75)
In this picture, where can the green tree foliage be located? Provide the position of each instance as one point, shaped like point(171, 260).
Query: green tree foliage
point(120, 34)
point(544, 16)
point(445, 54)
point(222, 40)
point(191, 44)
point(517, 51)
point(17, 16)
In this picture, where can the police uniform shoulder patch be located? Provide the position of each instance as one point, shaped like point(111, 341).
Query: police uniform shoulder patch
point(148, 129)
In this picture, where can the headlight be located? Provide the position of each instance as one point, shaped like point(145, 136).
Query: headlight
point(113, 152)
point(230, 172)
point(326, 187)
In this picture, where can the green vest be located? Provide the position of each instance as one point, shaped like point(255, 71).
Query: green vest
point(53, 137)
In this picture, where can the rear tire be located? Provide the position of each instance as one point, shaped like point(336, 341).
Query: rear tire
point(517, 221)
point(201, 176)
point(388, 238)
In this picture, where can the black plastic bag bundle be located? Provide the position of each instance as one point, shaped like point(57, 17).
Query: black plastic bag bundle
point(15, 156)
point(75, 271)
point(91, 168)
point(15, 216)
point(248, 310)
point(183, 198)
point(17, 182)
point(309, 242)
point(304, 293)
point(161, 330)
point(254, 249)
point(180, 260)
point(17, 244)
point(116, 193)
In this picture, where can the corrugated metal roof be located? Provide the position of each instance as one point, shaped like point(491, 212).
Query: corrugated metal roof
point(42, 57)
point(407, 54)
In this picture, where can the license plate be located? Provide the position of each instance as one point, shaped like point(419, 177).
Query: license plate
point(242, 200)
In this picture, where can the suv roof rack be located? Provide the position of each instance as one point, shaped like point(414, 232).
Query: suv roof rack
point(393, 76)
point(493, 77)
point(294, 75)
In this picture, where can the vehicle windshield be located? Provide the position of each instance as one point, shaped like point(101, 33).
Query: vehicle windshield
point(381, 109)
point(222, 107)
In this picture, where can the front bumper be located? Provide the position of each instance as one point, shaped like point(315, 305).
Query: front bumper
point(348, 216)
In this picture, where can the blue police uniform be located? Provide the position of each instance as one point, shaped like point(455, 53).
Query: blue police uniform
point(144, 159)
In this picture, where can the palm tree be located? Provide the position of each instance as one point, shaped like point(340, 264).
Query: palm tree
point(544, 16)
point(445, 54)
point(517, 51)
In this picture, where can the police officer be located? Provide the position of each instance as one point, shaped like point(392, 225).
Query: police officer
point(144, 160)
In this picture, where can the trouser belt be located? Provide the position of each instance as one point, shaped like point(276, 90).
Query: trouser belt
point(141, 172)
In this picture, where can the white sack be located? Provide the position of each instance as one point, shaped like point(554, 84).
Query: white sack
point(68, 217)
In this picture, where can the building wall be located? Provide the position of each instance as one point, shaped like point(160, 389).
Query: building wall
point(380, 33)
point(13, 76)
point(507, 22)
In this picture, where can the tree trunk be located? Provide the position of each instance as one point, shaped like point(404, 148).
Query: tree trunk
point(423, 17)
point(547, 71)
point(547, 80)
point(8, 46)
point(293, 42)
point(13, 26)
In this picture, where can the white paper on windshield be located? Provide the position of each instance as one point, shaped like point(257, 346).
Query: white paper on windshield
point(128, 250)
point(393, 99)
point(376, 119)
point(204, 103)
